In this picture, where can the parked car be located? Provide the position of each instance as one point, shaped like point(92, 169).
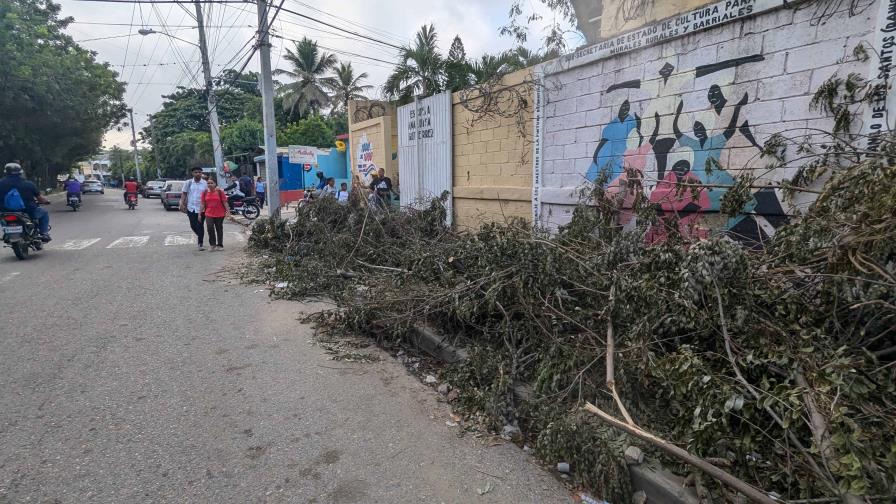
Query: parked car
point(154, 188)
point(92, 187)
point(170, 195)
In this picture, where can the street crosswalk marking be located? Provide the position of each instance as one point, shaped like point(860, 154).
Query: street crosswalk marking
point(170, 239)
point(78, 244)
point(177, 239)
point(9, 276)
point(129, 242)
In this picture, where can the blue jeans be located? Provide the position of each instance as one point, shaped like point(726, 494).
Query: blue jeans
point(41, 216)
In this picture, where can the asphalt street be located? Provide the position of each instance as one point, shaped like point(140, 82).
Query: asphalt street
point(134, 368)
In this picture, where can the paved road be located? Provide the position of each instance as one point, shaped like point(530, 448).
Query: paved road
point(132, 370)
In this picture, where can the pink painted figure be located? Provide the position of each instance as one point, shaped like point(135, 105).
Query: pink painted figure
point(687, 204)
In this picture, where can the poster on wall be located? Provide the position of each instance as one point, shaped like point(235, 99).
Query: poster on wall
point(425, 150)
point(301, 155)
point(365, 165)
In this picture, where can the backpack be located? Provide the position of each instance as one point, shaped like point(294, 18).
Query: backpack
point(13, 201)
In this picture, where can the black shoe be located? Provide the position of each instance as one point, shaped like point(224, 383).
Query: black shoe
point(45, 238)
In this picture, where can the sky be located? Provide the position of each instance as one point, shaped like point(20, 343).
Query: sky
point(154, 65)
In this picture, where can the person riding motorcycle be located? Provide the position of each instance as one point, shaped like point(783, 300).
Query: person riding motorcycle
point(233, 192)
point(72, 188)
point(30, 195)
point(130, 187)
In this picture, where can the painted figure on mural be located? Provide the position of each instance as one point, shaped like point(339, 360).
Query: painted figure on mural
point(607, 161)
point(708, 149)
point(681, 197)
point(718, 101)
point(635, 160)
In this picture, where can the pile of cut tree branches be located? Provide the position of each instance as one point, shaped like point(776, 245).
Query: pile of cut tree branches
point(777, 365)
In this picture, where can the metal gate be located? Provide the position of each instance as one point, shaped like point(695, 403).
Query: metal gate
point(425, 151)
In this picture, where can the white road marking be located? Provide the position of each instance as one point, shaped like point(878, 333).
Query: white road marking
point(178, 239)
point(129, 242)
point(9, 276)
point(78, 244)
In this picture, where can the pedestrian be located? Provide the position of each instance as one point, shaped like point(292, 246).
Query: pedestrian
point(382, 187)
point(329, 189)
point(191, 204)
point(214, 207)
point(342, 194)
point(259, 191)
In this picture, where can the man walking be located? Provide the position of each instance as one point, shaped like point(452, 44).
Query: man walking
point(191, 204)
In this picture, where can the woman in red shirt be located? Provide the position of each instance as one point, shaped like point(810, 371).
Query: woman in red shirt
point(214, 206)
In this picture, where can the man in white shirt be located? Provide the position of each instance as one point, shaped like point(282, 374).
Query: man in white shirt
point(191, 203)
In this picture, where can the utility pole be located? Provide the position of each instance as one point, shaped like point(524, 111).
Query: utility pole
point(272, 175)
point(134, 143)
point(210, 92)
point(155, 153)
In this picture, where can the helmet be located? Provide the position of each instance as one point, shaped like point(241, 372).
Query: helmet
point(13, 169)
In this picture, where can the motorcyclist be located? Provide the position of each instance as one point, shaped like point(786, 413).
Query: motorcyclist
point(130, 187)
point(30, 195)
point(233, 191)
point(72, 188)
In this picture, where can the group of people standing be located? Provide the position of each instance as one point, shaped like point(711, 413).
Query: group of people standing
point(207, 205)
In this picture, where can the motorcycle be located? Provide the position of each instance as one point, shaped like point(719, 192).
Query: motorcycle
point(20, 233)
point(132, 201)
point(74, 201)
point(247, 207)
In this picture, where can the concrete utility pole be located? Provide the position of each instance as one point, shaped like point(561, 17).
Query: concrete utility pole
point(210, 91)
point(272, 175)
point(152, 131)
point(134, 144)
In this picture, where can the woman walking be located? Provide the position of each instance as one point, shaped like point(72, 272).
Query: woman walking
point(214, 206)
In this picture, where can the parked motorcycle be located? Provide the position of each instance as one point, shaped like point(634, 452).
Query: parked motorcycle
point(74, 201)
point(132, 201)
point(247, 207)
point(20, 233)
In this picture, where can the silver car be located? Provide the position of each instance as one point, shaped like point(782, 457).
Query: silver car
point(154, 188)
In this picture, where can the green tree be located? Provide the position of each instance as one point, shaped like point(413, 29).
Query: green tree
point(56, 100)
point(241, 137)
point(489, 68)
point(345, 86)
point(421, 69)
point(457, 66)
point(338, 122)
point(313, 131)
point(309, 67)
point(523, 57)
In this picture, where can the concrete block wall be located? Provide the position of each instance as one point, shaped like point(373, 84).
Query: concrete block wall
point(492, 159)
point(602, 117)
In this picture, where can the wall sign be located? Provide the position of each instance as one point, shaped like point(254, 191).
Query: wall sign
point(880, 114)
point(684, 24)
point(366, 167)
point(537, 165)
point(425, 150)
point(301, 155)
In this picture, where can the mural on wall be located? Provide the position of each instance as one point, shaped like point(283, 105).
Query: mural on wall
point(365, 165)
point(632, 156)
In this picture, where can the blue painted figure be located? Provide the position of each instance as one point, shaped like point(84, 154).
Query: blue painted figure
point(610, 152)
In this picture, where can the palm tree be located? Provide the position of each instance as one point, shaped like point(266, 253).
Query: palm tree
point(522, 57)
point(345, 86)
point(309, 65)
point(421, 69)
point(490, 67)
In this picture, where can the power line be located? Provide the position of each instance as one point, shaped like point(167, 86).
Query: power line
point(311, 18)
point(384, 33)
point(340, 51)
